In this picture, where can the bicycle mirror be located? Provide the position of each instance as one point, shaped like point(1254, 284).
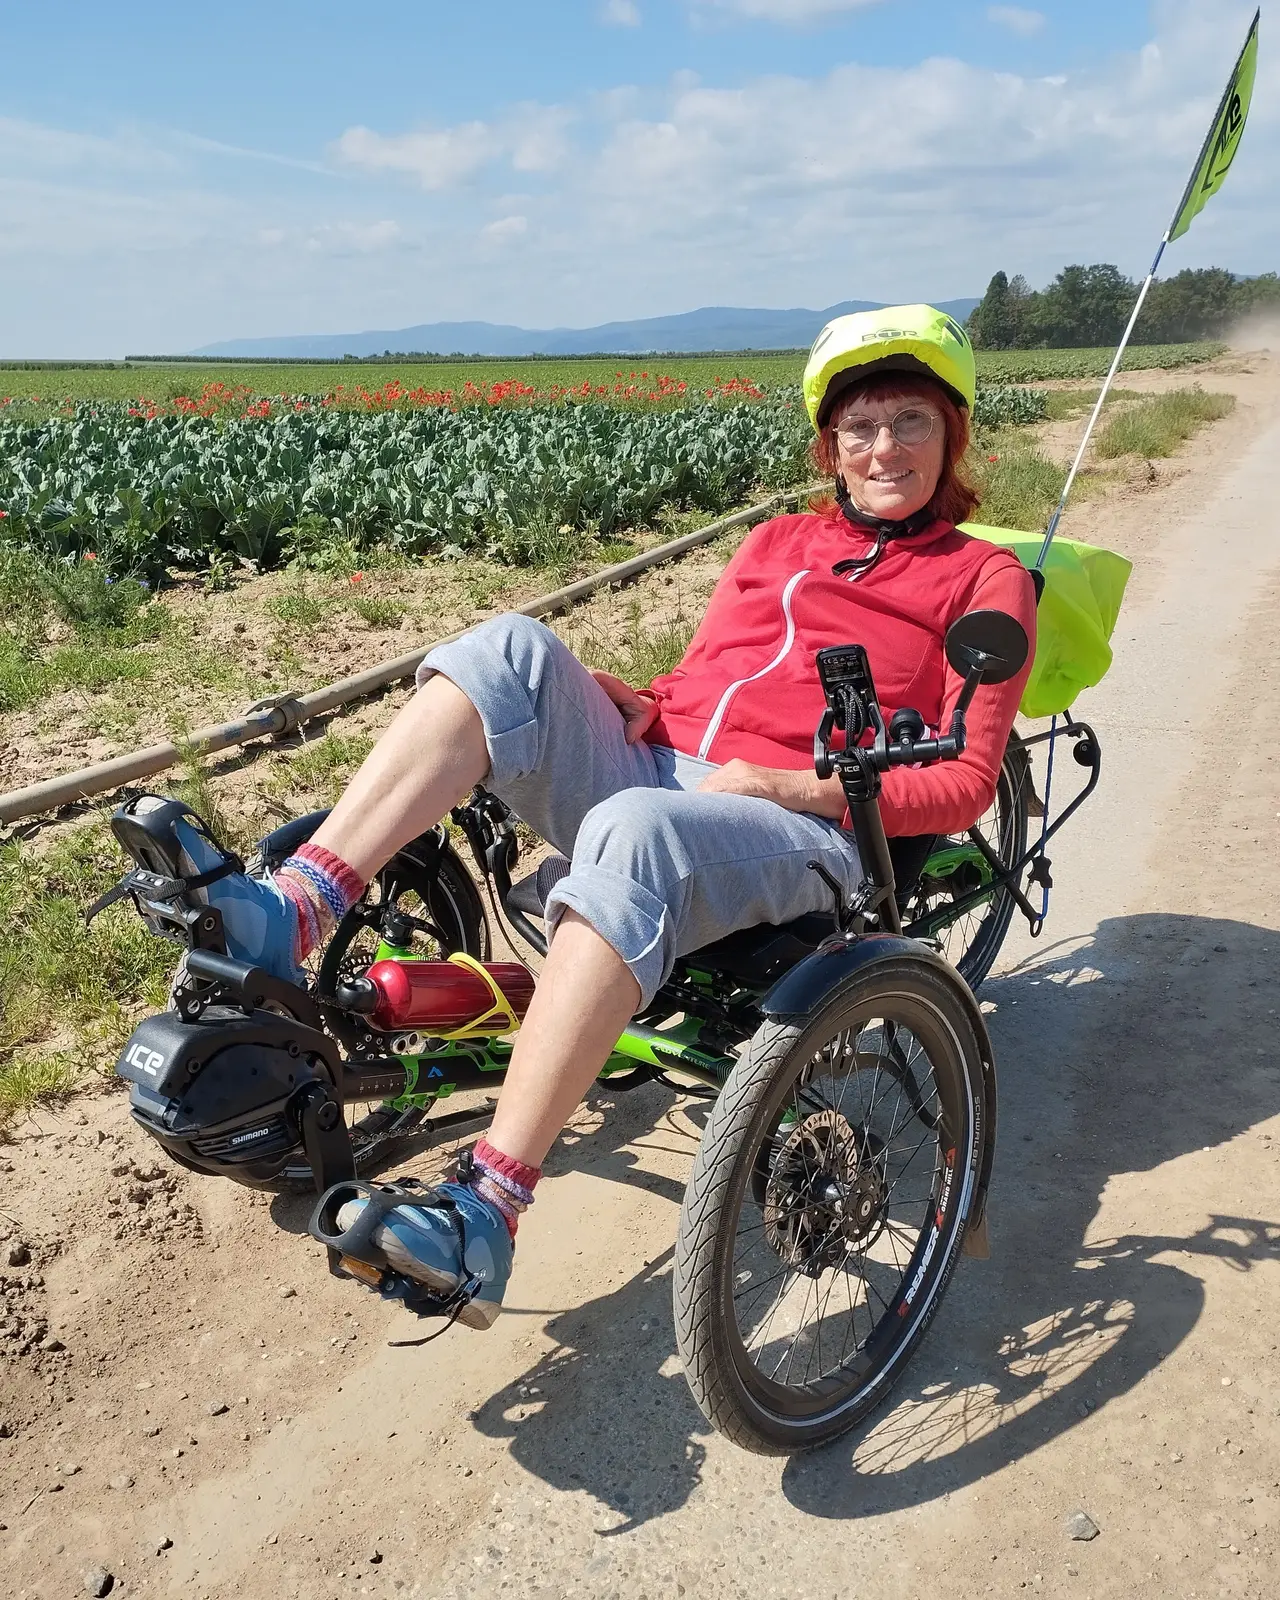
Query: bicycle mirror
point(991, 639)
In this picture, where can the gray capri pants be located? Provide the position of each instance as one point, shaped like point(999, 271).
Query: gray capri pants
point(658, 870)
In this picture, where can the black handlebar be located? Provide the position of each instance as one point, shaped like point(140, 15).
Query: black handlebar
point(854, 707)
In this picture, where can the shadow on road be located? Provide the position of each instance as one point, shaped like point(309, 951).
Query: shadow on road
point(1117, 1055)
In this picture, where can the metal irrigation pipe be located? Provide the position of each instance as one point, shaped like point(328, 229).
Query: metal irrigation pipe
point(283, 713)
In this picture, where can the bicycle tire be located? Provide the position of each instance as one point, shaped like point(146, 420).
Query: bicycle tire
point(972, 943)
point(753, 1411)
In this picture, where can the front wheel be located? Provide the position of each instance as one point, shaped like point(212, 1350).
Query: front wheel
point(827, 1207)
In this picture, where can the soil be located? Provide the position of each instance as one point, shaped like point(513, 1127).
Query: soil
point(229, 647)
point(190, 1403)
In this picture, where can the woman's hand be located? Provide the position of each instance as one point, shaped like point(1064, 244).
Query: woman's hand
point(638, 713)
point(796, 791)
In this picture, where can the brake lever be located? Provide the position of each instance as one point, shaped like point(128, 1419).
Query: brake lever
point(822, 762)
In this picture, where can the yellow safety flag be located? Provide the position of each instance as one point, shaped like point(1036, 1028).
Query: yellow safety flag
point(1224, 138)
point(1211, 169)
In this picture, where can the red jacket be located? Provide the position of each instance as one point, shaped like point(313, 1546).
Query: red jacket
point(748, 686)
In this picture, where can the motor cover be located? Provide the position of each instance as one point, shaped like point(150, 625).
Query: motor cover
point(224, 1094)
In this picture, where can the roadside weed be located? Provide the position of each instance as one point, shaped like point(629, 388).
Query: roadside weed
point(639, 651)
point(299, 608)
point(1159, 423)
point(321, 769)
point(68, 991)
point(1064, 405)
point(1020, 487)
point(376, 612)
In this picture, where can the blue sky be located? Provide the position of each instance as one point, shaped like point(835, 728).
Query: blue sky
point(174, 175)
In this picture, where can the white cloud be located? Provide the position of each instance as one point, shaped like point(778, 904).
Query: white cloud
point(439, 160)
point(335, 238)
point(363, 237)
point(505, 229)
point(1026, 24)
point(535, 137)
point(33, 146)
point(793, 12)
point(620, 14)
point(531, 137)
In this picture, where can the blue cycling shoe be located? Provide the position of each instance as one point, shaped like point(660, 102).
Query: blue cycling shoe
point(447, 1238)
point(259, 922)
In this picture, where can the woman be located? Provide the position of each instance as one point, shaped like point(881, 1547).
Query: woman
point(689, 808)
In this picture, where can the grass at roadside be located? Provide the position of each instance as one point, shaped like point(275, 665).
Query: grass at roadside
point(641, 650)
point(68, 992)
point(69, 626)
point(1159, 423)
point(1020, 484)
point(317, 773)
point(1064, 405)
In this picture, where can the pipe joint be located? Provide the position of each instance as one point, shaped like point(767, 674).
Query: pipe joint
point(292, 713)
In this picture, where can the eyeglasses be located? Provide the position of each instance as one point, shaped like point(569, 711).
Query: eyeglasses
point(911, 426)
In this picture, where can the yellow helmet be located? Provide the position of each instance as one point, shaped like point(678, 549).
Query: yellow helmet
point(898, 338)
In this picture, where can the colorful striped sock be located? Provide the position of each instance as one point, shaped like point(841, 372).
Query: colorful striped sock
point(504, 1182)
point(323, 888)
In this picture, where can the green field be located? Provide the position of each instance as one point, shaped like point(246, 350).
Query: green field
point(161, 382)
point(1035, 366)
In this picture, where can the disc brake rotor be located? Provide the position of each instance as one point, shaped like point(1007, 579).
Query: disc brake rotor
point(825, 1194)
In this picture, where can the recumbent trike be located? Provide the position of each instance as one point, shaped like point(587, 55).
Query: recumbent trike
point(849, 1146)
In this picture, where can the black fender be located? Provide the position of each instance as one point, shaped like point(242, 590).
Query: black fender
point(816, 979)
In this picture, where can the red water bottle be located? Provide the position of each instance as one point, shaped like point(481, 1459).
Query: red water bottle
point(444, 997)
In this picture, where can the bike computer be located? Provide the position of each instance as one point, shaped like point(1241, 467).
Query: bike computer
point(845, 675)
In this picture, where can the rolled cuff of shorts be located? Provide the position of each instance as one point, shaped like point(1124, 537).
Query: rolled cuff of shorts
point(627, 917)
point(495, 689)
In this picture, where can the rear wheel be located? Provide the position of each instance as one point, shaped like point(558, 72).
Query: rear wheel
point(956, 867)
point(827, 1207)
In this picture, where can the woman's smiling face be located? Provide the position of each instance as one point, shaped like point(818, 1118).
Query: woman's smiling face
point(890, 479)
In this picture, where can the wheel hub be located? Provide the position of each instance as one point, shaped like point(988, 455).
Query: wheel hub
point(825, 1194)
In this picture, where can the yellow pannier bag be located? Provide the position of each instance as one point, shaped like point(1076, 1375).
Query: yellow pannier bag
point(1076, 616)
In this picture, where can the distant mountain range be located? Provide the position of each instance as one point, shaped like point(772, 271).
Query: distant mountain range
point(711, 328)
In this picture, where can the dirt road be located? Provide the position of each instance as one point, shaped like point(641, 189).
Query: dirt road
point(241, 1425)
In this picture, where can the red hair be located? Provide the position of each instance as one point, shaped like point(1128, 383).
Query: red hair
point(955, 498)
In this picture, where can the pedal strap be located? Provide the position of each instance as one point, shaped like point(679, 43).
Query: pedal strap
point(356, 1243)
point(152, 887)
point(380, 1199)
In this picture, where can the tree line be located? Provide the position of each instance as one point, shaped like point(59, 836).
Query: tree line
point(1089, 306)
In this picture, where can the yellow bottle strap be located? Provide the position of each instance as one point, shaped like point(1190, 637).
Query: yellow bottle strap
point(501, 1016)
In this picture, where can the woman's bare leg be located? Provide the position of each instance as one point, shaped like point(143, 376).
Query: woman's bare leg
point(431, 756)
point(585, 997)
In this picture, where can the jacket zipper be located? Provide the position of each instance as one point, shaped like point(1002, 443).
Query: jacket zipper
point(717, 717)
